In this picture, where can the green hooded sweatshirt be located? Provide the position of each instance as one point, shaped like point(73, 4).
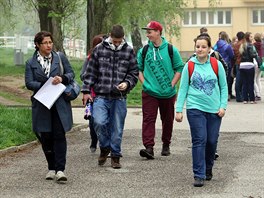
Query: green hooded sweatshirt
point(159, 70)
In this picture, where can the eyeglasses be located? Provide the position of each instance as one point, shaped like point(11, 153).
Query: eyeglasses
point(47, 43)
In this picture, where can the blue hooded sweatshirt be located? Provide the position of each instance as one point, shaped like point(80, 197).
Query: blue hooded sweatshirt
point(204, 91)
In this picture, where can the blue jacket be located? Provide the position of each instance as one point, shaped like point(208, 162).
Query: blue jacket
point(204, 90)
point(225, 50)
point(34, 79)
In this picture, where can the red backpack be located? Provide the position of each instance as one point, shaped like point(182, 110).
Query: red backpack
point(213, 62)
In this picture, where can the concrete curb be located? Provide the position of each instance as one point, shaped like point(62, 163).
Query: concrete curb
point(15, 149)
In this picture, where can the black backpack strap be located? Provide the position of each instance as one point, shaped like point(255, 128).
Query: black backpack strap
point(170, 49)
point(145, 49)
point(144, 52)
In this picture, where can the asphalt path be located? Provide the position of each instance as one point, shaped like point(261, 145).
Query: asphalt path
point(237, 173)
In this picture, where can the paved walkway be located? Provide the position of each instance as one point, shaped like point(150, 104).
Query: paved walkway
point(238, 173)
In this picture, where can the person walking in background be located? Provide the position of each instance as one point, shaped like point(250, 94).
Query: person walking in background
point(237, 57)
point(257, 83)
point(158, 74)
point(96, 40)
point(112, 72)
point(206, 94)
point(247, 68)
point(226, 51)
point(50, 125)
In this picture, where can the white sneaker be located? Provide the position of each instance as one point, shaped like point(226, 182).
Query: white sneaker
point(50, 175)
point(60, 177)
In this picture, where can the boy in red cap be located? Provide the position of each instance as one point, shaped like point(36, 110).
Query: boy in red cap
point(158, 74)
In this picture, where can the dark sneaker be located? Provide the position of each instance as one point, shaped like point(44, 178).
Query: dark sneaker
point(165, 150)
point(198, 182)
point(103, 156)
point(148, 153)
point(115, 162)
point(209, 174)
point(92, 149)
point(233, 97)
point(216, 156)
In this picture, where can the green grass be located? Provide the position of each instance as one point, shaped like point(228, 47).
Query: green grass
point(15, 126)
point(7, 68)
point(15, 123)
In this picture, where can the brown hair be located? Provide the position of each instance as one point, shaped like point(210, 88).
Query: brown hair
point(40, 36)
point(257, 37)
point(204, 36)
point(203, 30)
point(247, 35)
point(117, 31)
point(96, 40)
point(224, 36)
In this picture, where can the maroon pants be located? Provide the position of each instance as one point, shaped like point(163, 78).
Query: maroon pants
point(150, 106)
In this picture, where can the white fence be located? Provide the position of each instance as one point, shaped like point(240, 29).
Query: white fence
point(73, 47)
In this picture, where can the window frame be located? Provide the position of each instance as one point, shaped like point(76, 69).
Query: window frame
point(259, 11)
point(208, 17)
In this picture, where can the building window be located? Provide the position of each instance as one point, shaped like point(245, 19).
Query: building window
point(194, 18)
point(258, 17)
point(204, 17)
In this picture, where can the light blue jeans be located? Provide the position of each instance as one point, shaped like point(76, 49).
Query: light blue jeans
point(109, 119)
point(205, 132)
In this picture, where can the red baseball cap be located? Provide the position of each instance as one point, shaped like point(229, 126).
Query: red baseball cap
point(153, 25)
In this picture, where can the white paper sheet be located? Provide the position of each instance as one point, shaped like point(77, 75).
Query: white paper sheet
point(49, 93)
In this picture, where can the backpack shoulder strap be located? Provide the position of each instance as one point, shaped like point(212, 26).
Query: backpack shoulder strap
point(170, 49)
point(144, 52)
point(213, 62)
point(214, 65)
point(216, 55)
point(190, 68)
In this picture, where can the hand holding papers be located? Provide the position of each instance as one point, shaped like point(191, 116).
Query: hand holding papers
point(49, 93)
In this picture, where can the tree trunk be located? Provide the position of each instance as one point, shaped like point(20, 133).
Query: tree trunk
point(43, 12)
point(135, 36)
point(90, 23)
point(96, 23)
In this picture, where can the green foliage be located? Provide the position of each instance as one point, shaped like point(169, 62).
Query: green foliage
point(15, 126)
point(160, 10)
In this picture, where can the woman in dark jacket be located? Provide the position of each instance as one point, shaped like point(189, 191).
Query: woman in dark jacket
point(51, 124)
point(226, 51)
point(247, 68)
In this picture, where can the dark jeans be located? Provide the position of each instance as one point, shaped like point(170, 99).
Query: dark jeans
point(247, 76)
point(230, 80)
point(238, 85)
point(205, 132)
point(54, 144)
point(93, 135)
point(150, 106)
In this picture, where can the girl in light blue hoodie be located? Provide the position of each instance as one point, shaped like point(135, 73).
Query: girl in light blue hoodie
point(206, 94)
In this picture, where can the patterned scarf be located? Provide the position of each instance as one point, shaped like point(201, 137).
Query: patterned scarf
point(45, 63)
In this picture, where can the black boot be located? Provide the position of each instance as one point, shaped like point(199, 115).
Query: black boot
point(115, 162)
point(165, 150)
point(103, 156)
point(148, 153)
point(209, 174)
